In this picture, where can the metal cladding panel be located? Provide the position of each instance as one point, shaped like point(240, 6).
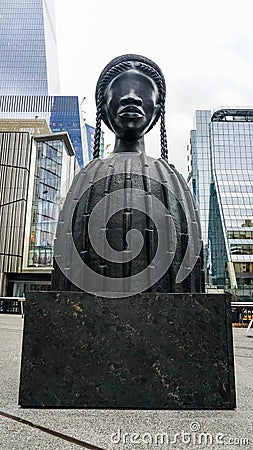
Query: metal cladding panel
point(15, 154)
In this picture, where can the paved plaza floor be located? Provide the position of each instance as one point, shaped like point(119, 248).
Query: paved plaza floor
point(121, 429)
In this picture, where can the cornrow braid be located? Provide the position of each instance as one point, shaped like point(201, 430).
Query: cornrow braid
point(112, 70)
point(97, 136)
point(163, 135)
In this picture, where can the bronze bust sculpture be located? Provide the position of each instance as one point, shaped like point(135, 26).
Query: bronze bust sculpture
point(134, 226)
point(128, 228)
point(130, 82)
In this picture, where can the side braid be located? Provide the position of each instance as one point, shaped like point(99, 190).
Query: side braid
point(150, 71)
point(163, 135)
point(97, 137)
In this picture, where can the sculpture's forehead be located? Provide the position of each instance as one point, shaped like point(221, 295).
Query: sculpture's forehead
point(133, 75)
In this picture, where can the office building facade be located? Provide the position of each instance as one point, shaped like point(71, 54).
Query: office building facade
point(62, 113)
point(220, 165)
point(35, 174)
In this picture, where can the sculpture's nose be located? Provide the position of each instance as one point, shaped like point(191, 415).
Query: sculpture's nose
point(131, 99)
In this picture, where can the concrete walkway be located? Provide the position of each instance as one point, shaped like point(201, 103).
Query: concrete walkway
point(100, 429)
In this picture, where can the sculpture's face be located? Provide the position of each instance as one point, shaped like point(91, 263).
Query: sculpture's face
point(131, 104)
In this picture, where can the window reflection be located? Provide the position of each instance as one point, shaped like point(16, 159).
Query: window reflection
point(45, 207)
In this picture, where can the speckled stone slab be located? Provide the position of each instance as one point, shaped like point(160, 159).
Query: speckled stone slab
point(148, 351)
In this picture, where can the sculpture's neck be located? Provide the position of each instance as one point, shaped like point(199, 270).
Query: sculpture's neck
point(136, 146)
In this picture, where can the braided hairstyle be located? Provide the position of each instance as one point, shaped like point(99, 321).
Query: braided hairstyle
point(112, 70)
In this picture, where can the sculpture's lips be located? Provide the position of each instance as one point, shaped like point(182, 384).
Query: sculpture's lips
point(131, 111)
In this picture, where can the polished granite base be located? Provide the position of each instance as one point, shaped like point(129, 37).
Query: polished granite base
point(148, 351)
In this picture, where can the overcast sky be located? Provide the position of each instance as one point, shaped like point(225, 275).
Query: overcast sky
point(204, 48)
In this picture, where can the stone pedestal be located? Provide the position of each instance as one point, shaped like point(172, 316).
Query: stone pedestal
point(148, 351)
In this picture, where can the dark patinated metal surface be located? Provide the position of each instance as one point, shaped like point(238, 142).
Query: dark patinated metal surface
point(156, 178)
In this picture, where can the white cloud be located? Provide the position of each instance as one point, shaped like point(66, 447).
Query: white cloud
point(204, 49)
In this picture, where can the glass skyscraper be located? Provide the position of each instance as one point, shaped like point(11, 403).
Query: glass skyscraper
point(29, 75)
point(28, 52)
point(221, 173)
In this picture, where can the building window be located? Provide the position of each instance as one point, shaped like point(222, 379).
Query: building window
point(45, 207)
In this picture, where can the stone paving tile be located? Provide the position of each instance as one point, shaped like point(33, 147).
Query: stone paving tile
point(113, 429)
